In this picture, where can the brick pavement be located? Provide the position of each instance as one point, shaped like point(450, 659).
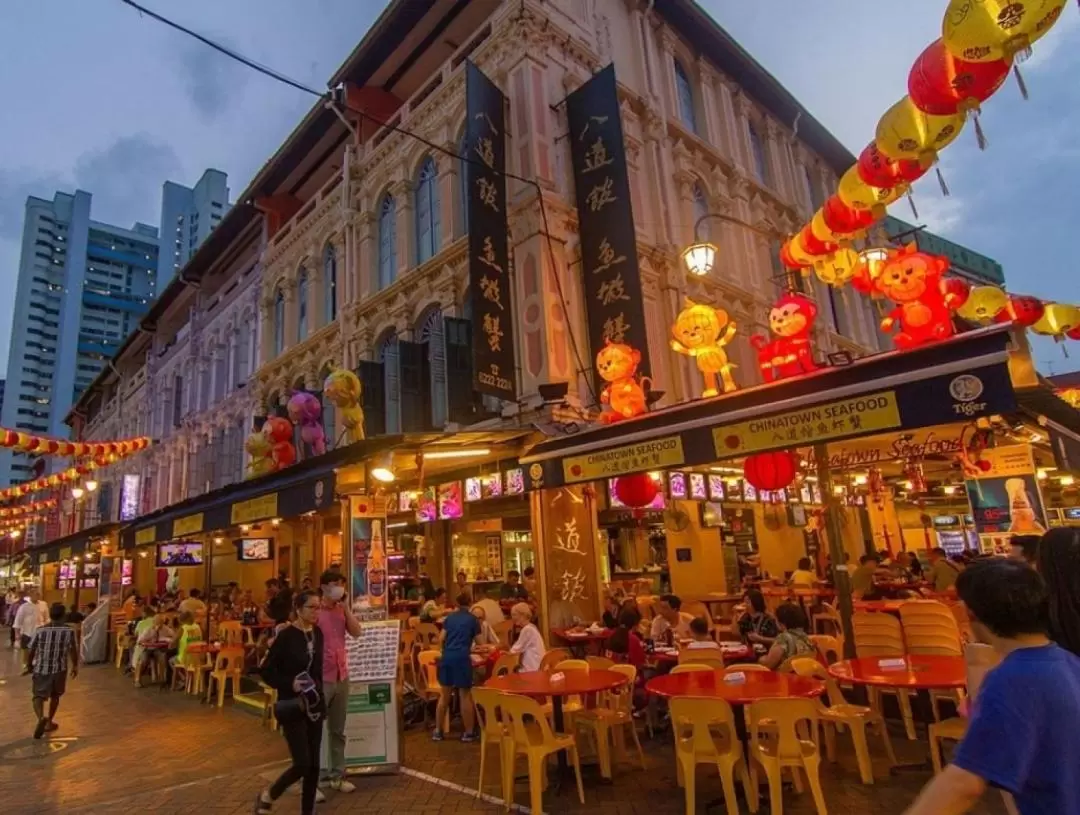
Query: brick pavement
point(133, 751)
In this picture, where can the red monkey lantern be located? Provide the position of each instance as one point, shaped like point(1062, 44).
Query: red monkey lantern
point(771, 471)
point(788, 354)
point(913, 280)
point(636, 491)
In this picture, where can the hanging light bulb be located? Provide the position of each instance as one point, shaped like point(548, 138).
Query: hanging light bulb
point(91, 485)
point(383, 468)
point(77, 492)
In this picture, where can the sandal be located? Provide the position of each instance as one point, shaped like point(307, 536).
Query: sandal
point(261, 806)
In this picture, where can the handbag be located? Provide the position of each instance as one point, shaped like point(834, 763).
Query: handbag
point(287, 711)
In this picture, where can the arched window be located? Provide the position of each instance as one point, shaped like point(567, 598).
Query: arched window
point(330, 283)
point(463, 184)
point(242, 354)
point(279, 322)
point(686, 97)
point(302, 306)
point(432, 332)
point(701, 209)
point(387, 241)
point(427, 211)
point(757, 152)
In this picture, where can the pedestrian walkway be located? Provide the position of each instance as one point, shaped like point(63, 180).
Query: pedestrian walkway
point(122, 750)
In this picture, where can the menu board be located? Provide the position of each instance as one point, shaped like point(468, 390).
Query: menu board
point(716, 488)
point(449, 501)
point(697, 487)
point(515, 481)
point(494, 556)
point(373, 655)
point(426, 510)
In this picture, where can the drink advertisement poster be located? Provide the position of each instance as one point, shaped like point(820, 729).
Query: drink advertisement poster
point(368, 564)
point(1005, 498)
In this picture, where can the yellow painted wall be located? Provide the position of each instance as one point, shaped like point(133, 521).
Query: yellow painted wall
point(705, 571)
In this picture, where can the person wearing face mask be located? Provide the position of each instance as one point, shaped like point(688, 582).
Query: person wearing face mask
point(335, 619)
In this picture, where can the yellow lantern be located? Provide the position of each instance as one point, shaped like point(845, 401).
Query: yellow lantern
point(857, 194)
point(983, 304)
point(905, 132)
point(1057, 319)
point(821, 231)
point(838, 268)
point(997, 29)
point(798, 252)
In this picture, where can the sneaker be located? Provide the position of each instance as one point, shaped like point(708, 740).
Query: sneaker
point(51, 726)
point(342, 785)
point(320, 796)
point(469, 738)
point(39, 731)
point(437, 735)
point(297, 788)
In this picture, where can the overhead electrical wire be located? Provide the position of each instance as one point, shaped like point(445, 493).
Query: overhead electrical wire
point(332, 98)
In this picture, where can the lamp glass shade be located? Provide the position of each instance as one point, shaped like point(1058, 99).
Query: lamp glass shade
point(699, 259)
point(77, 493)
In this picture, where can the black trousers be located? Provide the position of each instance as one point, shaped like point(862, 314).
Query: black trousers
point(304, 738)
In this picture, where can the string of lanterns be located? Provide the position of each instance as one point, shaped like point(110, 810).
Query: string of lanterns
point(55, 480)
point(48, 446)
point(20, 510)
point(981, 44)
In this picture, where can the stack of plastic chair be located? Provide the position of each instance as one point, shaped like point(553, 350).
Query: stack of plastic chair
point(530, 735)
point(502, 629)
point(230, 632)
point(611, 718)
point(839, 712)
point(427, 635)
point(704, 732)
point(930, 628)
point(407, 656)
point(493, 732)
point(830, 649)
point(880, 635)
point(785, 749)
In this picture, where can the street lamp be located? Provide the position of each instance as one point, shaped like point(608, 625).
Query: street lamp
point(700, 256)
point(91, 485)
point(77, 492)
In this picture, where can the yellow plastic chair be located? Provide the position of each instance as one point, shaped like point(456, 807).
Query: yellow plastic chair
point(980, 659)
point(407, 656)
point(784, 749)
point(430, 688)
point(930, 627)
point(228, 666)
point(704, 731)
point(840, 713)
point(750, 666)
point(493, 732)
point(553, 658)
point(502, 630)
point(124, 643)
point(881, 635)
point(828, 615)
point(691, 667)
point(427, 635)
point(831, 649)
point(600, 663)
point(412, 623)
point(572, 705)
point(506, 664)
point(611, 718)
point(532, 737)
point(230, 632)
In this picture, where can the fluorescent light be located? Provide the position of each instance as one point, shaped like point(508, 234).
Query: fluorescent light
point(466, 453)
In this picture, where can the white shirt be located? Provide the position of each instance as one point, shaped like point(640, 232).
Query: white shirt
point(531, 647)
point(660, 626)
point(30, 617)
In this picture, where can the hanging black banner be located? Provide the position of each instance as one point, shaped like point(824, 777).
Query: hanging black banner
point(489, 253)
point(614, 305)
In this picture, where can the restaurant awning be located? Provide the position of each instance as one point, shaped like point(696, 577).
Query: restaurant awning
point(961, 379)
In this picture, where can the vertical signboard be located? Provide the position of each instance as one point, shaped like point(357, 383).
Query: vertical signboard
point(569, 547)
point(1005, 499)
point(367, 563)
point(489, 253)
point(614, 304)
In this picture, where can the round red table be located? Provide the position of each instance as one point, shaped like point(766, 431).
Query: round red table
point(580, 640)
point(755, 686)
point(728, 654)
point(920, 672)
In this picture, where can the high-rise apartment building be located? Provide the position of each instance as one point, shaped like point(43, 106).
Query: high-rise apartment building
point(82, 287)
point(188, 215)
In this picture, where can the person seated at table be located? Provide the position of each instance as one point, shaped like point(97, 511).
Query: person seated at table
point(487, 635)
point(193, 603)
point(793, 641)
point(512, 588)
point(434, 607)
point(757, 626)
point(862, 579)
point(612, 606)
point(189, 632)
point(461, 585)
point(1025, 719)
point(247, 610)
point(901, 567)
point(528, 580)
point(701, 638)
point(943, 572)
point(460, 629)
point(156, 632)
point(529, 642)
point(625, 645)
point(804, 576)
point(670, 624)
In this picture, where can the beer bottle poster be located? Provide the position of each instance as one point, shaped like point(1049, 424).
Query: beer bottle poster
point(367, 519)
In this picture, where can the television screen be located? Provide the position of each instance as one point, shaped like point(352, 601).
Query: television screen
point(180, 553)
point(255, 548)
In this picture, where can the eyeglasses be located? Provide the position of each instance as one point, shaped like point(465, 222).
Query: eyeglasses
point(310, 608)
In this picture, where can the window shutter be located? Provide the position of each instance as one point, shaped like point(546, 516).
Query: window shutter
point(373, 400)
point(461, 399)
point(415, 386)
point(392, 377)
point(437, 361)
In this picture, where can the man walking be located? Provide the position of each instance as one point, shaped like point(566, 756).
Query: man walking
point(335, 619)
point(51, 646)
point(30, 617)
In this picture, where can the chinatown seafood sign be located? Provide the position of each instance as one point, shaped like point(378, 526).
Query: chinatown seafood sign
point(904, 446)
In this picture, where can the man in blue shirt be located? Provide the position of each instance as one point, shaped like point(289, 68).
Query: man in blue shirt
point(1024, 733)
point(460, 627)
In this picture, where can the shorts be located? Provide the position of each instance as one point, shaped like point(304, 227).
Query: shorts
point(456, 672)
point(47, 686)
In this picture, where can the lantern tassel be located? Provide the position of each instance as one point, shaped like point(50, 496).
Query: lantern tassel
point(1020, 81)
point(980, 137)
point(941, 182)
point(911, 199)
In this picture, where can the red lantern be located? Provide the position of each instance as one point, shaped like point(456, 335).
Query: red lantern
point(942, 85)
point(788, 261)
point(636, 491)
point(957, 291)
point(1021, 310)
point(878, 170)
point(771, 471)
point(844, 220)
point(813, 245)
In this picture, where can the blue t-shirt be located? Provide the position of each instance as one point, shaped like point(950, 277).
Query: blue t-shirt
point(460, 628)
point(1024, 733)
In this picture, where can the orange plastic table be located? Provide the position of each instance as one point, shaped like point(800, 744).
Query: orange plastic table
point(919, 672)
point(754, 686)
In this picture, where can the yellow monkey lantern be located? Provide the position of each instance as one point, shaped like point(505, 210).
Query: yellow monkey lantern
point(838, 268)
point(1057, 319)
point(905, 132)
point(701, 332)
point(983, 304)
point(989, 30)
point(857, 194)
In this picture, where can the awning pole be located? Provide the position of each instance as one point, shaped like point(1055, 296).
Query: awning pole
point(841, 578)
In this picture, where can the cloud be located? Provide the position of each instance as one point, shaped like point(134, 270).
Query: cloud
point(210, 79)
point(125, 178)
point(17, 186)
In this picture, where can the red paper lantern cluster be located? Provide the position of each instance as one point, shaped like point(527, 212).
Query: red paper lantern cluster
point(771, 471)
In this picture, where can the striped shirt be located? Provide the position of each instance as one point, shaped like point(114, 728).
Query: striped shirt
point(51, 644)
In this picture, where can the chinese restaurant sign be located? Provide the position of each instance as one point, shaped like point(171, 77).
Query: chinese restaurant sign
point(614, 304)
point(648, 455)
point(570, 552)
point(489, 254)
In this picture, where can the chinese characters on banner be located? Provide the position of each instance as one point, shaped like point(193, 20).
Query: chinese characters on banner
point(489, 254)
point(570, 549)
point(613, 299)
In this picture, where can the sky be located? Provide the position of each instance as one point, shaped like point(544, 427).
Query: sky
point(115, 103)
